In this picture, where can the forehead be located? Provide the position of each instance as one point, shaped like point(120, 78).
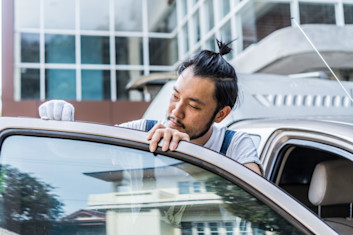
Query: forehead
point(195, 86)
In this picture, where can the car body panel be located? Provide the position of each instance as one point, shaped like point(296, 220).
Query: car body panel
point(258, 186)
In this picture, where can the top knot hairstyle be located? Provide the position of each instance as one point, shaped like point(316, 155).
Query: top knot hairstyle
point(212, 65)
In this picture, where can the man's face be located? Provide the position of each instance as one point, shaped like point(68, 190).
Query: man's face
point(192, 105)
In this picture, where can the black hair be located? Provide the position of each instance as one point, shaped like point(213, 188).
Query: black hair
point(212, 65)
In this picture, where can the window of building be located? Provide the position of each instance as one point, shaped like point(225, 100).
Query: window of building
point(311, 13)
point(129, 50)
point(60, 84)
point(94, 15)
point(95, 50)
point(30, 84)
point(196, 27)
point(25, 18)
point(54, 10)
point(162, 19)
point(128, 15)
point(163, 51)
point(348, 13)
point(123, 77)
point(30, 47)
point(223, 8)
point(200, 227)
point(226, 36)
point(213, 228)
point(95, 84)
point(184, 187)
point(262, 18)
point(59, 48)
point(209, 14)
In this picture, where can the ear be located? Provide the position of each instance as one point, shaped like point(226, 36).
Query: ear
point(222, 114)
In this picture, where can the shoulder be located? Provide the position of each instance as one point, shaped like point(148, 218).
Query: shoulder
point(140, 124)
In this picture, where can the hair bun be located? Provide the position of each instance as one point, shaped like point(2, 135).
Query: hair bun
point(223, 47)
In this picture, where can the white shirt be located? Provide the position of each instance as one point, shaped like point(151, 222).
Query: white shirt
point(241, 148)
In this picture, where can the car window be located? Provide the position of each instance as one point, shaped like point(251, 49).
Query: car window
point(294, 167)
point(66, 186)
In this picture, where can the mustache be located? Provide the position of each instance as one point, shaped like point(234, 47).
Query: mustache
point(176, 120)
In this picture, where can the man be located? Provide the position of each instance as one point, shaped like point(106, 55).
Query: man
point(204, 94)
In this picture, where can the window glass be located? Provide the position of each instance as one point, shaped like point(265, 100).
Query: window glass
point(223, 7)
point(59, 48)
point(311, 13)
point(226, 37)
point(348, 14)
point(95, 84)
point(211, 44)
point(163, 18)
point(30, 47)
point(95, 50)
point(128, 15)
point(260, 19)
point(163, 51)
point(54, 10)
point(129, 50)
point(54, 186)
point(30, 84)
point(25, 18)
point(196, 27)
point(186, 38)
point(209, 9)
point(94, 14)
point(184, 7)
point(60, 84)
point(123, 77)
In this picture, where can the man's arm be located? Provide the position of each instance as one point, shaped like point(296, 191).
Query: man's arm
point(254, 167)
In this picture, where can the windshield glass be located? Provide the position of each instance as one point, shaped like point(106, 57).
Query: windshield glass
point(65, 186)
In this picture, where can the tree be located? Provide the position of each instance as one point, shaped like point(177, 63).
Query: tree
point(27, 205)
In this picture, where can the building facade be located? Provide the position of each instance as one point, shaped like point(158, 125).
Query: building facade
point(87, 51)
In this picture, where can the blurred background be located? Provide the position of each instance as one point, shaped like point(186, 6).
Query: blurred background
point(89, 51)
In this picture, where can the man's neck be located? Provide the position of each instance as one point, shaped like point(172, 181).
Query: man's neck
point(203, 139)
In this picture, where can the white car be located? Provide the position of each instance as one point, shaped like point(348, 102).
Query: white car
point(83, 178)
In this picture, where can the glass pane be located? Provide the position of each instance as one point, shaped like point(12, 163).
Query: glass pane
point(94, 14)
point(30, 47)
point(348, 14)
point(224, 8)
point(196, 27)
point(128, 15)
point(54, 10)
point(54, 186)
point(123, 77)
point(211, 44)
point(25, 18)
point(95, 84)
point(163, 18)
point(30, 84)
point(59, 48)
point(163, 51)
point(209, 14)
point(95, 50)
point(184, 7)
point(311, 13)
point(186, 38)
point(226, 36)
point(129, 50)
point(261, 19)
point(60, 84)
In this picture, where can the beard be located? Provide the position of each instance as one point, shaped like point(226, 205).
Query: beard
point(198, 134)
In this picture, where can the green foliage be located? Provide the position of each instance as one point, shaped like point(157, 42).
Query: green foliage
point(26, 204)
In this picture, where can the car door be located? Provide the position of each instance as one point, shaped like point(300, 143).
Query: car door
point(81, 178)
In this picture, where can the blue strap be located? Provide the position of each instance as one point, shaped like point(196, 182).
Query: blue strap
point(226, 141)
point(150, 124)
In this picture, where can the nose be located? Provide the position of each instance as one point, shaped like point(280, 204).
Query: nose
point(178, 110)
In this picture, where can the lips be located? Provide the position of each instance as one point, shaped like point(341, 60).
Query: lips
point(173, 123)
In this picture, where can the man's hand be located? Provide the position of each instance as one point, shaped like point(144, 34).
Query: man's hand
point(171, 137)
point(56, 110)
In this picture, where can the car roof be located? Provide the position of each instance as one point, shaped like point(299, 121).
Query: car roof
point(200, 156)
point(270, 96)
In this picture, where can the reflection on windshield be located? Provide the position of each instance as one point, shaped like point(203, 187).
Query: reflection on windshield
point(63, 186)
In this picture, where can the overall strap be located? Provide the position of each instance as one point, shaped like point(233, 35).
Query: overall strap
point(150, 124)
point(226, 141)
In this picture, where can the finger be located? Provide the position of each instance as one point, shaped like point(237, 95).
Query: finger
point(177, 137)
point(68, 112)
point(43, 112)
point(166, 139)
point(157, 136)
point(58, 110)
point(153, 130)
point(49, 110)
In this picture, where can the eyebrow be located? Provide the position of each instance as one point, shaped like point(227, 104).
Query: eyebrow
point(190, 98)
